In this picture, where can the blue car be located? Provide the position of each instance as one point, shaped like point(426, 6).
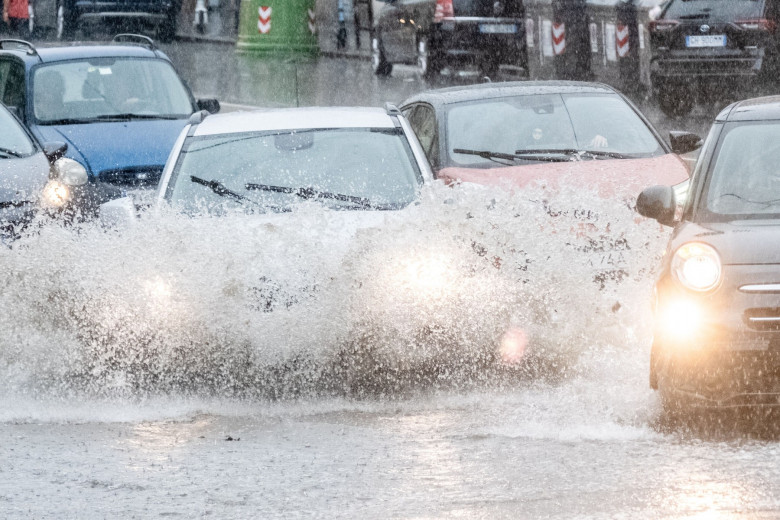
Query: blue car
point(118, 107)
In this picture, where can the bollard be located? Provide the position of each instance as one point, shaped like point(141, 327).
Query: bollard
point(277, 27)
point(627, 46)
point(571, 40)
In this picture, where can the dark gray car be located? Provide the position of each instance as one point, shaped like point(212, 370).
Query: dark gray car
point(717, 334)
point(436, 33)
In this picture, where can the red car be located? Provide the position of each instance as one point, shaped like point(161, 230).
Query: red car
point(518, 133)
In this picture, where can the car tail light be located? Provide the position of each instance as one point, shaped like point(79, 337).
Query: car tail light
point(444, 9)
point(662, 25)
point(758, 24)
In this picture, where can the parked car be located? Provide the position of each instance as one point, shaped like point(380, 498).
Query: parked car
point(118, 107)
point(436, 33)
point(518, 134)
point(161, 15)
point(708, 46)
point(717, 298)
point(33, 177)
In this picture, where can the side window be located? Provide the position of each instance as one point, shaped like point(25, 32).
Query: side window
point(423, 122)
point(12, 84)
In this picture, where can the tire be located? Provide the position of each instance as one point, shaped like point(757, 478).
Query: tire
point(66, 22)
point(674, 101)
point(379, 63)
point(428, 62)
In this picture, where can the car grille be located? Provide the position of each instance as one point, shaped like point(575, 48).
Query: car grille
point(143, 176)
point(763, 319)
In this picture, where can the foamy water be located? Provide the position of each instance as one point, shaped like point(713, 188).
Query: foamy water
point(311, 303)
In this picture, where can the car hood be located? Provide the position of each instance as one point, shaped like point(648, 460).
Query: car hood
point(610, 178)
point(116, 145)
point(738, 242)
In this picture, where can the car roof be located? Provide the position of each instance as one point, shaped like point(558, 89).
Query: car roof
point(468, 93)
point(42, 54)
point(755, 109)
point(294, 119)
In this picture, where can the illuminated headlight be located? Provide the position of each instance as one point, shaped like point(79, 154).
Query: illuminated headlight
point(697, 266)
point(427, 275)
point(55, 194)
point(681, 320)
point(70, 172)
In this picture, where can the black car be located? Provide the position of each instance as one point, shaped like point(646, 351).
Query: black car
point(87, 14)
point(33, 177)
point(437, 33)
point(706, 46)
point(717, 302)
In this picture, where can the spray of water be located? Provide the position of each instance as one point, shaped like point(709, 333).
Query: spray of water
point(471, 286)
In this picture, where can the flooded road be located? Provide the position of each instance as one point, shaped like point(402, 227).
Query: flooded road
point(144, 377)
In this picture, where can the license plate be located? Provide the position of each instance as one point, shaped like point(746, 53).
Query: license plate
point(709, 40)
point(497, 28)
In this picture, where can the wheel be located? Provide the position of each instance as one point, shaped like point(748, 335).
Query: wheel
point(675, 101)
point(428, 62)
point(66, 22)
point(379, 63)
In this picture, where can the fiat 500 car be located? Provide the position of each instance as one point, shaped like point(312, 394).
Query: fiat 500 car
point(717, 299)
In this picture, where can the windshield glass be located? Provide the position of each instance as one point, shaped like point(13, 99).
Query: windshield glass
point(106, 87)
point(372, 166)
point(713, 9)
point(14, 141)
point(744, 180)
point(602, 122)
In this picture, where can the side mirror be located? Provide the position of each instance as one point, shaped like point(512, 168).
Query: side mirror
point(210, 104)
point(55, 150)
point(684, 142)
point(657, 202)
point(118, 213)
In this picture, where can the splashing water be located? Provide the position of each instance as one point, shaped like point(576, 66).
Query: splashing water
point(472, 286)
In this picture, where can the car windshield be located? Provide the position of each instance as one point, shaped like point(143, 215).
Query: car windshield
point(744, 179)
point(546, 123)
point(712, 10)
point(95, 89)
point(14, 141)
point(356, 168)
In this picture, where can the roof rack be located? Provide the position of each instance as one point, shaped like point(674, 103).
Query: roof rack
point(31, 50)
point(137, 39)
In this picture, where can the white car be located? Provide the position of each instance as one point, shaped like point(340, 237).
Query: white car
point(264, 161)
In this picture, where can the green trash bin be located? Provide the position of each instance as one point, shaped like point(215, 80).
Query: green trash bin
point(277, 27)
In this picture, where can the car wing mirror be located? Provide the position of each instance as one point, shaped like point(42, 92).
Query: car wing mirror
point(684, 142)
point(55, 150)
point(658, 202)
point(209, 104)
point(118, 213)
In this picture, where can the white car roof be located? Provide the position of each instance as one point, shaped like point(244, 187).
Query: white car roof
point(294, 118)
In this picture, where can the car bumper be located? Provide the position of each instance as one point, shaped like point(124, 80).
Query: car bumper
point(727, 352)
point(684, 67)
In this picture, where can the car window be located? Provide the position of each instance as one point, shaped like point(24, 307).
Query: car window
point(12, 84)
point(713, 9)
point(375, 164)
point(104, 87)
point(547, 122)
point(423, 122)
point(744, 178)
point(13, 137)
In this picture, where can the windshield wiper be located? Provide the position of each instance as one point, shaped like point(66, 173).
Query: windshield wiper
point(70, 121)
point(9, 153)
point(220, 189)
point(571, 151)
point(311, 193)
point(129, 116)
point(494, 156)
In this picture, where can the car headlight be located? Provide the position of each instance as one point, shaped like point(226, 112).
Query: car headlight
point(697, 266)
point(681, 320)
point(55, 194)
point(70, 172)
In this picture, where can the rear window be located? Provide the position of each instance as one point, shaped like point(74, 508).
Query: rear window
point(714, 9)
point(487, 8)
